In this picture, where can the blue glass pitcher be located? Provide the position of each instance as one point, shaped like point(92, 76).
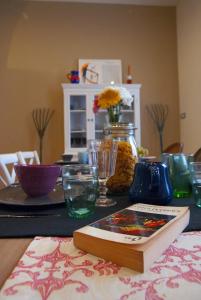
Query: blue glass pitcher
point(151, 184)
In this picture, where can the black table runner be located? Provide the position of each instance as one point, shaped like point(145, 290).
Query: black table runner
point(52, 220)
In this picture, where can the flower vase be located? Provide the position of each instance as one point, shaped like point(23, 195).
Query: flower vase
point(114, 114)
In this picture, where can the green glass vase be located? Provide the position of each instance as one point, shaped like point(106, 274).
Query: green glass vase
point(114, 114)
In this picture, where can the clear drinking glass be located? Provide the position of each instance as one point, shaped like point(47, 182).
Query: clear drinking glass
point(80, 185)
point(195, 174)
point(103, 154)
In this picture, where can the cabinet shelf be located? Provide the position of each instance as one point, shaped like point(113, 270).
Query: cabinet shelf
point(78, 131)
point(77, 110)
point(123, 110)
point(127, 111)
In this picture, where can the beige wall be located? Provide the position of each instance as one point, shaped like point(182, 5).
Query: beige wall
point(41, 41)
point(189, 57)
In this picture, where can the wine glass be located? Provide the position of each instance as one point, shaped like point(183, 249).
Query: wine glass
point(103, 154)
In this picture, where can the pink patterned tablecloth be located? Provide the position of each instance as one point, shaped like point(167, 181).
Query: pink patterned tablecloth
point(52, 268)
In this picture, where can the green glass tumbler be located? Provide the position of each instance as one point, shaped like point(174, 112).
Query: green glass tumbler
point(178, 164)
point(195, 173)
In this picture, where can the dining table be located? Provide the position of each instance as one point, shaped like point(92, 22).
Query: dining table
point(43, 223)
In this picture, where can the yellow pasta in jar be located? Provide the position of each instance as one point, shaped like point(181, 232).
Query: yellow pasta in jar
point(123, 177)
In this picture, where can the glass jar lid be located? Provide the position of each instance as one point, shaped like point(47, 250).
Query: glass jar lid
point(120, 128)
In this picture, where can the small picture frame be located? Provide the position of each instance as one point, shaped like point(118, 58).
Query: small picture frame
point(97, 71)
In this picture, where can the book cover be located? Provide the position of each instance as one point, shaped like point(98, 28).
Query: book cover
point(136, 224)
point(135, 236)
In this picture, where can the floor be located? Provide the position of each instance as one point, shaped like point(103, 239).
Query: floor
point(10, 252)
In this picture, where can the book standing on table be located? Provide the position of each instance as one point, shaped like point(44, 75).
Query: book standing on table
point(133, 237)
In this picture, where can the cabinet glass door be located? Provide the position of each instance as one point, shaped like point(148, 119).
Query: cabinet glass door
point(128, 113)
point(78, 121)
point(100, 122)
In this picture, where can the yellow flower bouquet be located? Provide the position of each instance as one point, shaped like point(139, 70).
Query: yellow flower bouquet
point(112, 99)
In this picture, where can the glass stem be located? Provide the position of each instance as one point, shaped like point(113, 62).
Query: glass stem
point(103, 188)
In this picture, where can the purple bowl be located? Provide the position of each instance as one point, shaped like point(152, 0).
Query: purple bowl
point(37, 180)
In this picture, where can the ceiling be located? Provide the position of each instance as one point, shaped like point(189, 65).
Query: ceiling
point(136, 2)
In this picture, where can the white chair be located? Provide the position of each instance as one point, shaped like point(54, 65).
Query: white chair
point(28, 157)
point(7, 162)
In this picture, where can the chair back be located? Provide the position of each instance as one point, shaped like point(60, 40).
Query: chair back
point(174, 148)
point(28, 157)
point(7, 162)
point(197, 155)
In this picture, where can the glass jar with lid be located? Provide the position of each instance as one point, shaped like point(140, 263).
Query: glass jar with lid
point(126, 156)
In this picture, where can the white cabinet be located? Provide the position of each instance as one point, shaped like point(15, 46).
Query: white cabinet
point(81, 124)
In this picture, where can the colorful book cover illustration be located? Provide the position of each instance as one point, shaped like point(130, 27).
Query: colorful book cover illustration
point(135, 224)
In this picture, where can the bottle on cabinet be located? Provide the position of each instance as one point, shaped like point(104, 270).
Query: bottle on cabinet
point(129, 76)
